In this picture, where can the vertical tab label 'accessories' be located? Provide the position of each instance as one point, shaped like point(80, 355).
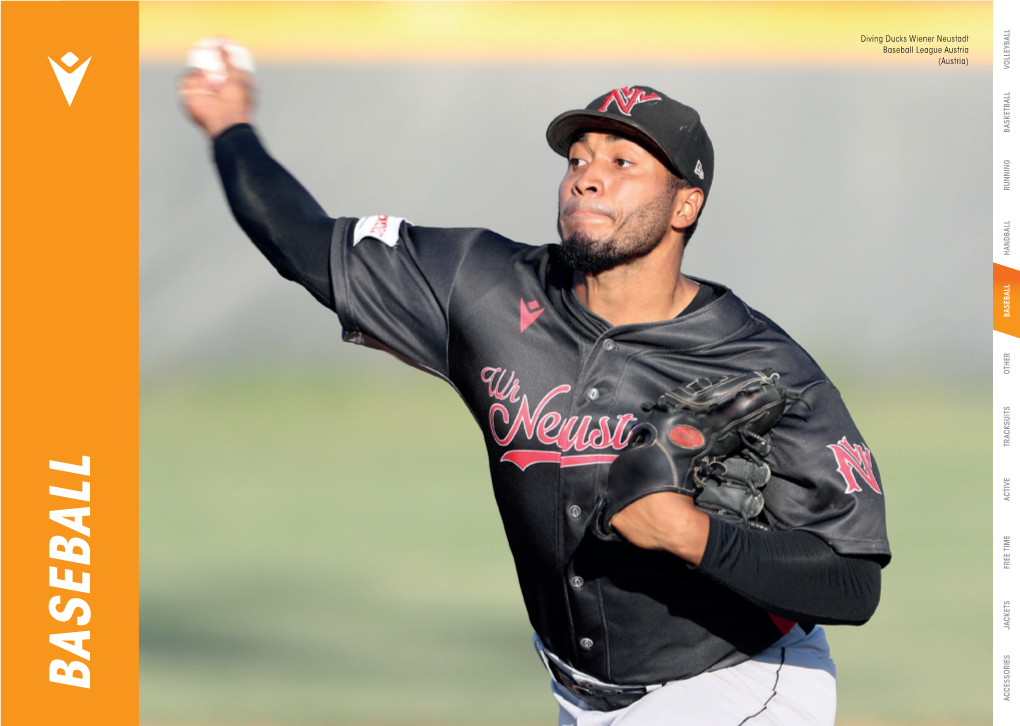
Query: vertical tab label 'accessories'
point(69, 81)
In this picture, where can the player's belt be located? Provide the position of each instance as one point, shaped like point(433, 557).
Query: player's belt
point(597, 694)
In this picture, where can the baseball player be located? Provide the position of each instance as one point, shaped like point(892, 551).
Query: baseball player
point(679, 616)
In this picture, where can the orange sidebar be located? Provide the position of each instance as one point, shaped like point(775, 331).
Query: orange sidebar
point(1006, 283)
point(69, 306)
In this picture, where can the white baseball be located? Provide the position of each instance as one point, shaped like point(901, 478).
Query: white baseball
point(205, 55)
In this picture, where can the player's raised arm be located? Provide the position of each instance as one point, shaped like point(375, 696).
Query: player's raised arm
point(274, 209)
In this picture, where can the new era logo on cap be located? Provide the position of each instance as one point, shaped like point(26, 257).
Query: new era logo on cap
point(699, 170)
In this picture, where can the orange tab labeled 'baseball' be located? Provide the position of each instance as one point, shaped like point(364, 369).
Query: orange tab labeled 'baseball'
point(1006, 289)
point(69, 331)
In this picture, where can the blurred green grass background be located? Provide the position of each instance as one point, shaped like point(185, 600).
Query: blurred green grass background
point(324, 548)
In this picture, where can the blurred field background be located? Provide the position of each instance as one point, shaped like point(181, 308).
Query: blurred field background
point(299, 567)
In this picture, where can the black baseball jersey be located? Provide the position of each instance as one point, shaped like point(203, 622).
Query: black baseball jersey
point(556, 391)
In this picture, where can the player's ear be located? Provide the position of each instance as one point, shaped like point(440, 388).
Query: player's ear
point(688, 204)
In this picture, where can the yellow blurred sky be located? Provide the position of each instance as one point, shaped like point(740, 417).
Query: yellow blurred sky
point(746, 34)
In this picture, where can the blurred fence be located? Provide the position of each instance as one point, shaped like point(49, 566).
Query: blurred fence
point(849, 206)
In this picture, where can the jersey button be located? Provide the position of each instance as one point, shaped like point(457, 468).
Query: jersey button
point(593, 394)
point(587, 643)
point(574, 511)
point(576, 582)
point(609, 345)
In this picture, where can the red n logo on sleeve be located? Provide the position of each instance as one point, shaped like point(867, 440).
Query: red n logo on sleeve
point(852, 458)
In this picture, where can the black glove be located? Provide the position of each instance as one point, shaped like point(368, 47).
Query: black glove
point(708, 440)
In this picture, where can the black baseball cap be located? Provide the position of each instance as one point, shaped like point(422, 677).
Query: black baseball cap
point(670, 130)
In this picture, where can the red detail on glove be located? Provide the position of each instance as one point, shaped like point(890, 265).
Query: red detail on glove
point(687, 437)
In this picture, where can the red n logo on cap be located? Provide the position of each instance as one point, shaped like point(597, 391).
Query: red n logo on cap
point(626, 98)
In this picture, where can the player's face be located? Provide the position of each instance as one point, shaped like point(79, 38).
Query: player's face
point(616, 203)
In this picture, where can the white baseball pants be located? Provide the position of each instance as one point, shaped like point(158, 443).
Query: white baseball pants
point(793, 683)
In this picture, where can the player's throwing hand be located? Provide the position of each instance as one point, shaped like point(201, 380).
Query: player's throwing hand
point(214, 100)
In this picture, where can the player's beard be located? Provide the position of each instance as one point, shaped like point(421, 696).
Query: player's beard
point(640, 233)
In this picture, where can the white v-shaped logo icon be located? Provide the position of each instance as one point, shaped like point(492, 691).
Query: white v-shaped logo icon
point(69, 82)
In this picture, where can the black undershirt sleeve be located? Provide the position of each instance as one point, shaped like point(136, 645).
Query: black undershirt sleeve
point(277, 213)
point(793, 574)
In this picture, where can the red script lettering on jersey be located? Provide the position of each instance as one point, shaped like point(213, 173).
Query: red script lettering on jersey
point(549, 427)
point(852, 458)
